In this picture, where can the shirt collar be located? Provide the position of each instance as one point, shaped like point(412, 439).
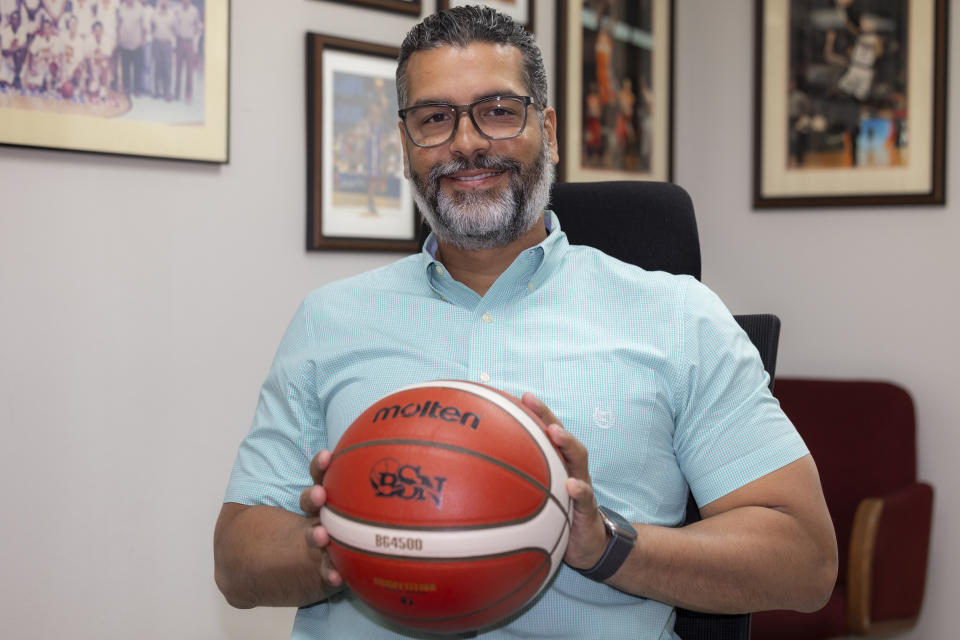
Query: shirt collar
point(528, 271)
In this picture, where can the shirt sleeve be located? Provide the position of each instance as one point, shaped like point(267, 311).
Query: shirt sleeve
point(730, 429)
point(272, 464)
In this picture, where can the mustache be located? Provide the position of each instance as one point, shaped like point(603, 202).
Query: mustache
point(489, 163)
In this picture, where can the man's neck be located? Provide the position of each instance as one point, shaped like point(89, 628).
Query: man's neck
point(480, 269)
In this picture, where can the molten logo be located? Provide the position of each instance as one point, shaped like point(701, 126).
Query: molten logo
point(429, 409)
point(390, 479)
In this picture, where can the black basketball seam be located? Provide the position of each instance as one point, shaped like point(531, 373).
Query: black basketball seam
point(448, 384)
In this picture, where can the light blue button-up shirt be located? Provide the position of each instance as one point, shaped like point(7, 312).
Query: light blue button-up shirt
point(649, 370)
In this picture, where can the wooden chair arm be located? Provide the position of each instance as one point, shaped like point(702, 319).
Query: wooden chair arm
point(886, 574)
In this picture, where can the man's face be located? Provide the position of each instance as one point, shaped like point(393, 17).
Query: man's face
point(478, 193)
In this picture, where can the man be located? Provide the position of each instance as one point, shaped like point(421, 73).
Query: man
point(13, 50)
point(131, 34)
point(163, 41)
point(498, 296)
point(43, 68)
point(75, 57)
point(187, 26)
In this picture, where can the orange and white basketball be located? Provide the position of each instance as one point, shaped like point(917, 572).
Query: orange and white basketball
point(446, 506)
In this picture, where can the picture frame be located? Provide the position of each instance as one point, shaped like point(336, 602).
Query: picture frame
point(615, 90)
point(357, 196)
point(520, 10)
point(850, 103)
point(409, 7)
point(117, 101)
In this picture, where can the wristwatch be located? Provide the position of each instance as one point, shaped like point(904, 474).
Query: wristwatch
point(622, 537)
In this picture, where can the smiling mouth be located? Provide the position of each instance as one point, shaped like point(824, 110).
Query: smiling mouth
point(474, 177)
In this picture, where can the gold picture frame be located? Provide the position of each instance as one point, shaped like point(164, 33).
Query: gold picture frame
point(49, 104)
point(615, 90)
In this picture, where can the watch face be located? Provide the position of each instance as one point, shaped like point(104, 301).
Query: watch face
point(621, 526)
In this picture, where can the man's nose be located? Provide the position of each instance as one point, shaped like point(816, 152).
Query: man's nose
point(467, 139)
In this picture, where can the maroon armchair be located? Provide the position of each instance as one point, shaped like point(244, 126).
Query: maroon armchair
point(862, 436)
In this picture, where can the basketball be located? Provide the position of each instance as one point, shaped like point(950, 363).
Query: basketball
point(446, 506)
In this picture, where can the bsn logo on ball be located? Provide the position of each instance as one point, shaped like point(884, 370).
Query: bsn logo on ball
point(390, 479)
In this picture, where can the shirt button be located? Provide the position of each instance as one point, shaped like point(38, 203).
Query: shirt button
point(484, 377)
point(439, 270)
point(487, 317)
point(531, 286)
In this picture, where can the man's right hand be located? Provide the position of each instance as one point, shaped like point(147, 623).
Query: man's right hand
point(268, 556)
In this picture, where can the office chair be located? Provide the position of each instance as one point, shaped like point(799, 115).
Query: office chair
point(653, 225)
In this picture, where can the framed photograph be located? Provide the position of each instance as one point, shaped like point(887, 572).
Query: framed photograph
point(111, 77)
point(520, 10)
point(411, 7)
point(850, 102)
point(357, 197)
point(615, 89)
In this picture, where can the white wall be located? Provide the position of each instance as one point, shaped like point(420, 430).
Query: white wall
point(141, 302)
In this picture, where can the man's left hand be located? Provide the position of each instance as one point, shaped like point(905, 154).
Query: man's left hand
point(588, 536)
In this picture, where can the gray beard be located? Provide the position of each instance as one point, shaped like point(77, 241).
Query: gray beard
point(474, 220)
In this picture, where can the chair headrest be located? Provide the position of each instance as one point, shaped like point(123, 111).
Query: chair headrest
point(649, 224)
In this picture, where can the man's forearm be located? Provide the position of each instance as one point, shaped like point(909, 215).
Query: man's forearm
point(262, 557)
point(747, 559)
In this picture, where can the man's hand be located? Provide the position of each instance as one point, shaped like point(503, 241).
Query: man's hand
point(267, 556)
point(311, 500)
point(588, 536)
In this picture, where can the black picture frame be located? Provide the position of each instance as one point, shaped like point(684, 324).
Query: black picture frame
point(357, 196)
point(850, 105)
point(409, 7)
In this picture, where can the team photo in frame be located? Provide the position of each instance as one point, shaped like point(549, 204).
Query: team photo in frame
point(850, 102)
point(137, 78)
point(615, 89)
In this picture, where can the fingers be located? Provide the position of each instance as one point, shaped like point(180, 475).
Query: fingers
point(312, 498)
point(318, 466)
point(541, 410)
point(319, 538)
point(584, 500)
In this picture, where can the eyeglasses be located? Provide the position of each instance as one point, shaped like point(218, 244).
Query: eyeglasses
point(496, 118)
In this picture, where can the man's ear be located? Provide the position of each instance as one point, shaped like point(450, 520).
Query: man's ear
point(550, 130)
point(403, 146)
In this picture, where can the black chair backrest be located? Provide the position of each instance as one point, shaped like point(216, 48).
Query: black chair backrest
point(649, 224)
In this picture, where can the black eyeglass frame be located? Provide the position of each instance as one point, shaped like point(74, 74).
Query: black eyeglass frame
point(468, 109)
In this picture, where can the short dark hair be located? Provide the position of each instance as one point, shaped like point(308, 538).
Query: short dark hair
point(461, 27)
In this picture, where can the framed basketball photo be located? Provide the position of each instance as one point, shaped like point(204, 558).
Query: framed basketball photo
point(130, 78)
point(357, 196)
point(850, 102)
point(615, 89)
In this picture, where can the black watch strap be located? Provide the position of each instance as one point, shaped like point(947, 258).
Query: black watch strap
point(622, 538)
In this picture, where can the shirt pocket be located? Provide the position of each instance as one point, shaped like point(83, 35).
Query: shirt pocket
point(621, 415)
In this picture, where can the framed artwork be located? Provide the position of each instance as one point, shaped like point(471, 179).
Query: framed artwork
point(615, 89)
point(850, 102)
point(67, 81)
point(357, 197)
point(411, 7)
point(520, 10)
